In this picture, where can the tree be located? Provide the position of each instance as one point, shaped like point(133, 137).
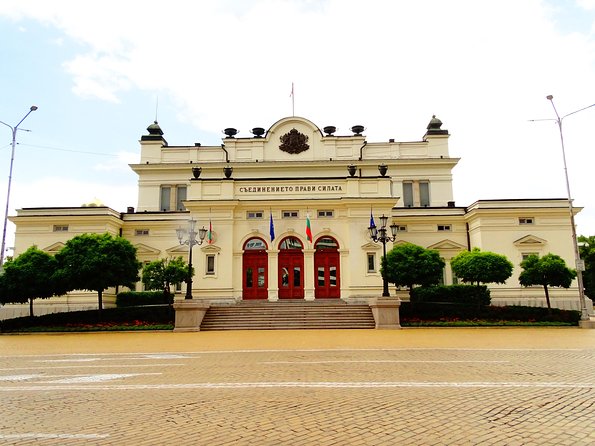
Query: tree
point(163, 273)
point(95, 262)
point(587, 252)
point(408, 265)
point(549, 270)
point(481, 267)
point(29, 276)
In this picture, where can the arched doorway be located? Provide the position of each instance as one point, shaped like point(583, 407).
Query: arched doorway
point(254, 266)
point(291, 267)
point(326, 269)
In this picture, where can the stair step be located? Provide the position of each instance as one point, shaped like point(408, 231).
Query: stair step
point(288, 315)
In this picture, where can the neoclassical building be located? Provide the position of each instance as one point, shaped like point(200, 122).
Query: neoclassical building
point(287, 209)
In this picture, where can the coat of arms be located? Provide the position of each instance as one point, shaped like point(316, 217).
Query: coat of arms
point(294, 142)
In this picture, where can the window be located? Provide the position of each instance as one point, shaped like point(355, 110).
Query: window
point(172, 194)
point(254, 214)
point(290, 214)
point(424, 193)
point(210, 265)
point(325, 214)
point(408, 194)
point(527, 254)
point(181, 193)
point(371, 262)
point(444, 228)
point(60, 228)
point(526, 221)
point(401, 228)
point(164, 202)
point(141, 232)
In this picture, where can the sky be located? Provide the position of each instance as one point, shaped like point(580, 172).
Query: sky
point(101, 72)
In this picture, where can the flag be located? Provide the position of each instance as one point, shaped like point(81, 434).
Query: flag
point(210, 234)
point(372, 224)
point(308, 228)
point(272, 228)
point(291, 94)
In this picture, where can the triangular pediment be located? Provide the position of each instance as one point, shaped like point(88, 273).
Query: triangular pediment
point(530, 241)
point(370, 246)
point(54, 248)
point(146, 250)
point(210, 249)
point(447, 244)
point(177, 250)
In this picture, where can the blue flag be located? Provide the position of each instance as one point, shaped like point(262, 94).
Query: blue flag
point(372, 224)
point(272, 228)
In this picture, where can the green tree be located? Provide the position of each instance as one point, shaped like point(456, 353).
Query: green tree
point(95, 262)
point(549, 270)
point(408, 265)
point(163, 273)
point(479, 267)
point(29, 276)
point(587, 252)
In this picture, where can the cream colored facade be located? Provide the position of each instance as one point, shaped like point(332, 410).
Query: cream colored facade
point(292, 171)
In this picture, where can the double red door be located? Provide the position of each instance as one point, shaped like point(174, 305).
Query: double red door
point(291, 277)
point(326, 268)
point(255, 281)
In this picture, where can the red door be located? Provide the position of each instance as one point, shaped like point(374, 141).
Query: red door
point(326, 269)
point(255, 271)
point(291, 267)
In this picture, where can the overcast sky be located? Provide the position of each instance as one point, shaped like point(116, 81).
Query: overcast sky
point(96, 70)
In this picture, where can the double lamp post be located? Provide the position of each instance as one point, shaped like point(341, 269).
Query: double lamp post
point(188, 237)
point(381, 235)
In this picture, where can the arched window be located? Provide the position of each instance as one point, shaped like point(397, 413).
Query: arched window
point(291, 243)
point(255, 244)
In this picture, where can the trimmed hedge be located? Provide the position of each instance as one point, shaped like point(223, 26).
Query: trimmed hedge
point(455, 294)
point(150, 315)
point(137, 298)
point(413, 313)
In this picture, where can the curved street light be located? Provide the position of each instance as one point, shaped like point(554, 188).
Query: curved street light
point(188, 237)
point(14, 143)
point(580, 266)
point(381, 235)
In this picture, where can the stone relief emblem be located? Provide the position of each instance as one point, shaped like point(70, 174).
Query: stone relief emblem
point(294, 142)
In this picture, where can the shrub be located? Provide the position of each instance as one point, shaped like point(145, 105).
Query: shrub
point(470, 295)
point(138, 298)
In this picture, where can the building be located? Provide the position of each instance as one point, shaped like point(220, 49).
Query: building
point(257, 195)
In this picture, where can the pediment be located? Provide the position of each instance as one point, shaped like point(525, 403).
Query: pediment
point(370, 246)
point(530, 241)
point(143, 249)
point(210, 249)
point(54, 248)
point(447, 244)
point(177, 250)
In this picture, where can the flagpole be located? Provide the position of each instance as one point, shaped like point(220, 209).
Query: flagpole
point(292, 100)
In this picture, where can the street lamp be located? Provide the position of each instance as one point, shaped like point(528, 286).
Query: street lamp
point(14, 143)
point(380, 235)
point(188, 237)
point(580, 265)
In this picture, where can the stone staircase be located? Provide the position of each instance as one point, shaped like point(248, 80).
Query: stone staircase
point(288, 315)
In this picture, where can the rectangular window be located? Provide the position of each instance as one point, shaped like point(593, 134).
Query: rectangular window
point(408, 195)
point(141, 232)
point(210, 264)
point(527, 254)
point(165, 198)
point(526, 221)
point(444, 228)
point(325, 214)
point(60, 228)
point(371, 262)
point(402, 228)
point(424, 193)
point(290, 214)
point(181, 194)
point(254, 214)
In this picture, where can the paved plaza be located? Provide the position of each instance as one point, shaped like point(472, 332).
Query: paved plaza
point(509, 386)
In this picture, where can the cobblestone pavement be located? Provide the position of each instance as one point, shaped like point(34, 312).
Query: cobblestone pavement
point(335, 387)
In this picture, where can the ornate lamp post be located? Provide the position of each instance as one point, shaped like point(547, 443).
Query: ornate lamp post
point(580, 265)
point(14, 142)
point(188, 237)
point(380, 235)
